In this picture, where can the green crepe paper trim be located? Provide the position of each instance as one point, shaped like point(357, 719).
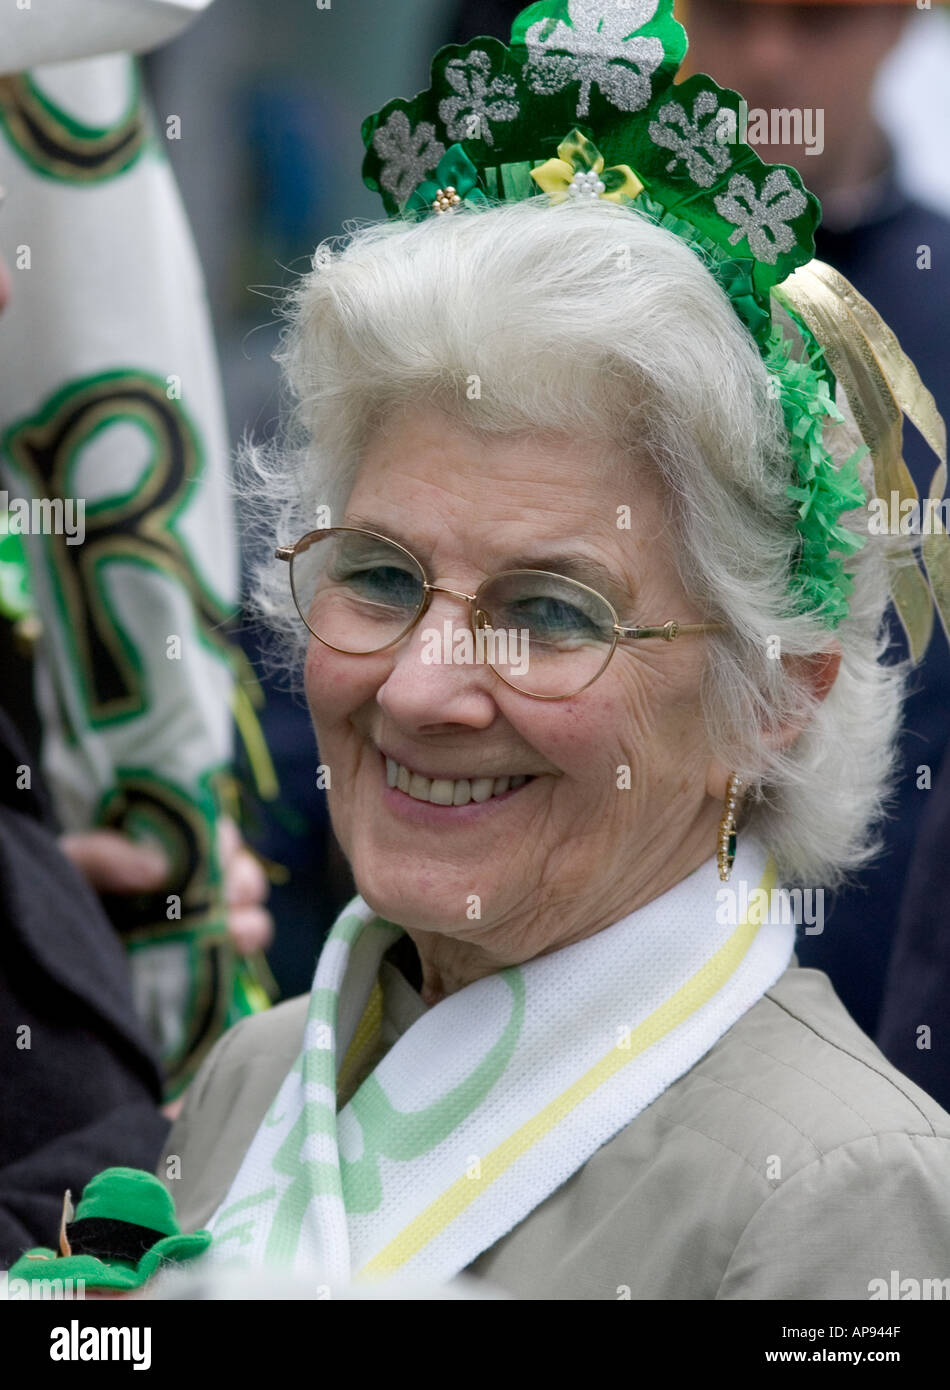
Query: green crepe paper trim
point(819, 580)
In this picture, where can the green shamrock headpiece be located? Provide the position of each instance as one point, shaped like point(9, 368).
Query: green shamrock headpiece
point(582, 104)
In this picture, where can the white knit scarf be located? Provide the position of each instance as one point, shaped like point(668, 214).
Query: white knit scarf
point(496, 1095)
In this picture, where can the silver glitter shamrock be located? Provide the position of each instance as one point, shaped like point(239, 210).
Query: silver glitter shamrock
point(409, 156)
point(480, 101)
point(697, 142)
point(762, 218)
point(598, 48)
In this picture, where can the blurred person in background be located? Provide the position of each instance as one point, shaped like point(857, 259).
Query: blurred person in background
point(265, 87)
point(81, 1079)
point(915, 1019)
point(826, 57)
point(109, 398)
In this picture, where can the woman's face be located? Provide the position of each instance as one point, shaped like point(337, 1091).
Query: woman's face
point(581, 843)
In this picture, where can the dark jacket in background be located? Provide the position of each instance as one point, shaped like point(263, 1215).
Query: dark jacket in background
point(917, 994)
point(84, 1094)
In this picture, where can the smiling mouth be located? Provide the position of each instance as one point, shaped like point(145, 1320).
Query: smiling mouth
point(448, 791)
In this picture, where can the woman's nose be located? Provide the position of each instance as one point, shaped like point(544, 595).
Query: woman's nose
point(435, 677)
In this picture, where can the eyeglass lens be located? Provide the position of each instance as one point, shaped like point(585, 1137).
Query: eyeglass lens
point(544, 634)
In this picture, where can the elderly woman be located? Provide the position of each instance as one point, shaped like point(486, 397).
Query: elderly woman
point(575, 727)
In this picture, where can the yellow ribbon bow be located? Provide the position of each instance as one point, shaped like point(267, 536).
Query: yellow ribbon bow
point(581, 168)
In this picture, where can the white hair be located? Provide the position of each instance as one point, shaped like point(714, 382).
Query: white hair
point(589, 319)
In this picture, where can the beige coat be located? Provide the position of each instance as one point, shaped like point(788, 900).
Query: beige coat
point(792, 1162)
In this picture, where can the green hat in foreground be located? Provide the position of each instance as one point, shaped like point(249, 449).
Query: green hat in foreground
point(123, 1230)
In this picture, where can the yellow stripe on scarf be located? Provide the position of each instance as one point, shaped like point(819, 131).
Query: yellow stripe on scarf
point(365, 1041)
point(676, 1010)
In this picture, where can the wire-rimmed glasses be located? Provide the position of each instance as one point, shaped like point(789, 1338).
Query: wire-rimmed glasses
point(544, 634)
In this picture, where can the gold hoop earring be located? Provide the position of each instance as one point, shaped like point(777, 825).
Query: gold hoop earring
point(726, 844)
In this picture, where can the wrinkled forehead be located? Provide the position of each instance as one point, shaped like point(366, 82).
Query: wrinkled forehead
point(573, 505)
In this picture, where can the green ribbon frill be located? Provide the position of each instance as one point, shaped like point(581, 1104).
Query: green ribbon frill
point(454, 170)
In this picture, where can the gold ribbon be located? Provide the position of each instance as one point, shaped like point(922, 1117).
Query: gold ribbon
point(882, 385)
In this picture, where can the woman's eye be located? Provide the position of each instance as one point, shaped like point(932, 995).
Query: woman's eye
point(549, 619)
point(381, 584)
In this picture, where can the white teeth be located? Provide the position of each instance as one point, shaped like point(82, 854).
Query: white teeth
point(444, 791)
point(419, 787)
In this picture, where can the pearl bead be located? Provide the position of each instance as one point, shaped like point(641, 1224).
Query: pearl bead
point(586, 184)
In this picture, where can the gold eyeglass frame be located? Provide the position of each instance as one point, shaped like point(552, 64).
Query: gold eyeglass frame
point(667, 631)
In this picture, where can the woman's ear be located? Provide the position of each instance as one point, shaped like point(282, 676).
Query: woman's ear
point(817, 674)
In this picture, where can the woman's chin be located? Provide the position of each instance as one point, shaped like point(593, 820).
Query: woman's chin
point(421, 901)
